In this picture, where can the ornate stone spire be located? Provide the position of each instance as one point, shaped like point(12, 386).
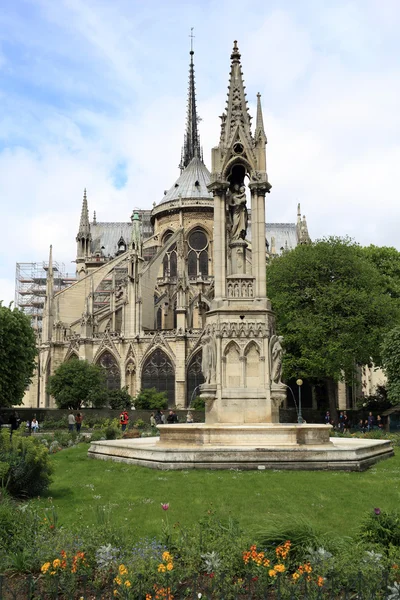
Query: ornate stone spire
point(191, 144)
point(259, 134)
point(136, 239)
point(237, 113)
point(84, 225)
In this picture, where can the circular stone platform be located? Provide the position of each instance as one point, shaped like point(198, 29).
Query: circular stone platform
point(277, 446)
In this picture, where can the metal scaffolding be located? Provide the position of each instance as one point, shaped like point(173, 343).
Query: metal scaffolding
point(30, 287)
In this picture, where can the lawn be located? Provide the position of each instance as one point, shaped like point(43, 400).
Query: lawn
point(332, 501)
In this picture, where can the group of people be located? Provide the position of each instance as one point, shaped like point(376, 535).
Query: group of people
point(343, 424)
point(75, 422)
point(159, 418)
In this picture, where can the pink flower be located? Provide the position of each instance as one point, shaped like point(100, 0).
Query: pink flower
point(164, 506)
point(377, 511)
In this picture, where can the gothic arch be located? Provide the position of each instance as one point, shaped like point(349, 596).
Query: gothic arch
point(110, 364)
point(236, 161)
point(71, 356)
point(158, 371)
point(252, 365)
point(194, 376)
point(198, 251)
point(232, 365)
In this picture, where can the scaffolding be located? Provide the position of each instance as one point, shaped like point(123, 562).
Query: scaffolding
point(30, 287)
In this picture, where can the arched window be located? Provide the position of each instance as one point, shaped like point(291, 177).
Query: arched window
point(198, 254)
point(111, 368)
point(194, 377)
point(158, 372)
point(170, 259)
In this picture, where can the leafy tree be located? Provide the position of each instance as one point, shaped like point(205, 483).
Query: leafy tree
point(387, 261)
point(150, 399)
point(76, 383)
point(391, 363)
point(17, 355)
point(119, 399)
point(331, 309)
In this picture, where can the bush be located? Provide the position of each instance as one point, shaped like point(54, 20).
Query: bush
point(51, 423)
point(381, 527)
point(198, 404)
point(150, 399)
point(120, 399)
point(29, 469)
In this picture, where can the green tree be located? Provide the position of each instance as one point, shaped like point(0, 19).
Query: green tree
point(17, 355)
point(118, 399)
point(150, 399)
point(76, 383)
point(387, 261)
point(391, 363)
point(331, 308)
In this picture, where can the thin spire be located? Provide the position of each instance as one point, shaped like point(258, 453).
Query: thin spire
point(50, 267)
point(84, 226)
point(191, 144)
point(259, 133)
point(236, 108)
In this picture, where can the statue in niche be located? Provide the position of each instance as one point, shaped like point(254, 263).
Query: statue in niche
point(276, 353)
point(238, 212)
point(209, 359)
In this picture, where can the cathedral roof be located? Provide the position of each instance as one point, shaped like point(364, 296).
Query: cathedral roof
point(192, 183)
point(105, 236)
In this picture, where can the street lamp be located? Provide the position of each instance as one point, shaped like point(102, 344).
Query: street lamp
point(299, 417)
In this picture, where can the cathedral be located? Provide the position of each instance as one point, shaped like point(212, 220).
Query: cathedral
point(143, 288)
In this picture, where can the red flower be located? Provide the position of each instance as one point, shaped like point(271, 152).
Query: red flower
point(164, 506)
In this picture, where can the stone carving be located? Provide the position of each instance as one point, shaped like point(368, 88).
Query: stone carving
point(238, 212)
point(240, 288)
point(209, 358)
point(276, 352)
point(243, 329)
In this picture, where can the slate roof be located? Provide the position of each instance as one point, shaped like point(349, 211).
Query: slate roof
point(192, 183)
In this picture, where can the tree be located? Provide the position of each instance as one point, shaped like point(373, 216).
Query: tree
point(76, 383)
point(391, 363)
point(119, 399)
point(17, 355)
point(331, 308)
point(387, 261)
point(150, 399)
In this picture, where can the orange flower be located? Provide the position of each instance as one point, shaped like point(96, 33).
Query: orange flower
point(272, 573)
point(279, 568)
point(320, 581)
point(295, 576)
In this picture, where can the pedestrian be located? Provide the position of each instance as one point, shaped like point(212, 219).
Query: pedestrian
point(361, 426)
point(370, 421)
point(346, 422)
point(189, 417)
point(163, 419)
point(153, 422)
point(327, 418)
point(35, 425)
point(379, 421)
point(171, 418)
point(158, 417)
point(123, 419)
point(78, 422)
point(71, 421)
point(28, 426)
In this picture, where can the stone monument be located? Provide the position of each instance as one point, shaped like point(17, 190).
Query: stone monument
point(241, 350)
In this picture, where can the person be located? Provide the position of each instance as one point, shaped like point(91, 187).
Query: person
point(361, 426)
point(327, 418)
point(172, 418)
point(28, 426)
point(189, 417)
point(346, 422)
point(35, 425)
point(123, 419)
point(158, 417)
point(78, 422)
point(163, 419)
point(341, 422)
point(153, 422)
point(14, 424)
point(71, 421)
point(371, 421)
point(379, 421)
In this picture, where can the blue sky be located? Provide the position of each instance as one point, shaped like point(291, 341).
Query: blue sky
point(93, 94)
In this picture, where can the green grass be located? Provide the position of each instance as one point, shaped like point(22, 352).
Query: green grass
point(334, 502)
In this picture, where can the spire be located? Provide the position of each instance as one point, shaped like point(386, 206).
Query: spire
point(191, 144)
point(50, 267)
point(136, 239)
point(84, 227)
point(94, 218)
point(236, 107)
point(298, 214)
point(259, 133)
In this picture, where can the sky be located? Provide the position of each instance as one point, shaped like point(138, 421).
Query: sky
point(93, 94)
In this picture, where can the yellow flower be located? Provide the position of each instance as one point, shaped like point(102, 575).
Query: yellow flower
point(170, 566)
point(45, 567)
point(115, 592)
point(166, 556)
point(118, 580)
point(161, 568)
point(295, 576)
point(123, 570)
point(56, 563)
point(272, 572)
point(52, 572)
point(127, 583)
point(279, 568)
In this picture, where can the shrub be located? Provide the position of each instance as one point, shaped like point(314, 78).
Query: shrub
point(150, 399)
point(51, 423)
point(119, 399)
point(198, 404)
point(381, 528)
point(140, 424)
point(29, 467)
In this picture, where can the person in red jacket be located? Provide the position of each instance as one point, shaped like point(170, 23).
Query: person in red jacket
point(123, 419)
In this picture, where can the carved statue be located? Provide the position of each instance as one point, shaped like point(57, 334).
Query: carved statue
point(209, 359)
point(238, 210)
point(276, 352)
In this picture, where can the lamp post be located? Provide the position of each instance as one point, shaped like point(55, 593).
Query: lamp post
point(299, 416)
